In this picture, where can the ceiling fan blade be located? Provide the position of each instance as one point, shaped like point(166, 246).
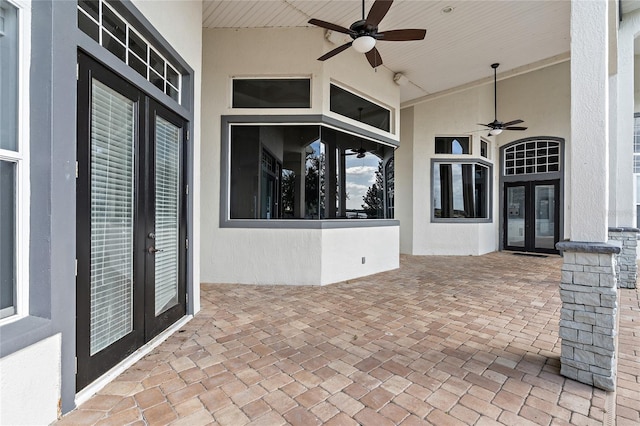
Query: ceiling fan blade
point(486, 125)
point(374, 57)
point(329, 26)
point(511, 123)
point(402, 35)
point(515, 128)
point(335, 51)
point(377, 12)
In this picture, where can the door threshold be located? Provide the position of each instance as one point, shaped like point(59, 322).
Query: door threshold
point(97, 385)
point(518, 253)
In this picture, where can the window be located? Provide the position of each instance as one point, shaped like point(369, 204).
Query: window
point(100, 22)
point(461, 190)
point(390, 181)
point(356, 108)
point(14, 174)
point(272, 93)
point(307, 172)
point(529, 157)
point(453, 145)
point(484, 149)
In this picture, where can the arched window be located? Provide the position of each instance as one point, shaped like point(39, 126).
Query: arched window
point(532, 156)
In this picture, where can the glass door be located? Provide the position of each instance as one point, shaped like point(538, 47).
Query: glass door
point(515, 217)
point(131, 232)
point(531, 216)
point(166, 234)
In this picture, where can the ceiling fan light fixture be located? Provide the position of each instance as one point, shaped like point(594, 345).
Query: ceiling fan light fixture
point(495, 132)
point(363, 44)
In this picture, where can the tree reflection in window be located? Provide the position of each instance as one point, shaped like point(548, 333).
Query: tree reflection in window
point(323, 174)
point(461, 190)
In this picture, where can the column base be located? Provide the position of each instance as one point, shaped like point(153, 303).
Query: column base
point(588, 318)
point(627, 261)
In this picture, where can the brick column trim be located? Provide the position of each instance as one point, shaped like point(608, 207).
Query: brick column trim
point(588, 318)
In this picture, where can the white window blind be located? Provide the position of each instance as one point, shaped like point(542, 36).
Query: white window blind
point(112, 215)
point(167, 196)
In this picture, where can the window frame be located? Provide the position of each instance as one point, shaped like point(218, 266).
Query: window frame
point(489, 201)
point(20, 157)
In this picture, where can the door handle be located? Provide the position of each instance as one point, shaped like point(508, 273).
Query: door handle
point(153, 250)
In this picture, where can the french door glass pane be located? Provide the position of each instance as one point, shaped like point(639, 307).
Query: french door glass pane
point(167, 210)
point(545, 216)
point(7, 238)
point(516, 216)
point(112, 215)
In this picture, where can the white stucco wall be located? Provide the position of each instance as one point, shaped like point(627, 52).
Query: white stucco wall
point(404, 161)
point(30, 384)
point(180, 23)
point(541, 98)
point(274, 256)
point(343, 250)
point(456, 114)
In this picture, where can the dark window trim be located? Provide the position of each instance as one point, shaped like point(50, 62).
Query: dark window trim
point(469, 160)
point(226, 222)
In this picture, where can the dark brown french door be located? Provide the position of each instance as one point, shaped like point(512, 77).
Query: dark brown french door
point(131, 229)
point(532, 216)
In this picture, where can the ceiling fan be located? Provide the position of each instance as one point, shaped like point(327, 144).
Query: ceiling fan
point(359, 153)
point(498, 126)
point(365, 33)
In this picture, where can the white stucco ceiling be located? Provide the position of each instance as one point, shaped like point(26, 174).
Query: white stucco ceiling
point(459, 46)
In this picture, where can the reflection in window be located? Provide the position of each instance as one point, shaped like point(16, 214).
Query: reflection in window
point(308, 172)
point(353, 106)
point(460, 190)
point(453, 145)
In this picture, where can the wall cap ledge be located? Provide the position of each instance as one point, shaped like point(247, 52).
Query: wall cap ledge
point(587, 247)
point(624, 229)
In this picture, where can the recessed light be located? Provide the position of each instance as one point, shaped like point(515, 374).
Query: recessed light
point(447, 9)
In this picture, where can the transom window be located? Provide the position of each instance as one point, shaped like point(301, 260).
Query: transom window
point(271, 93)
point(453, 145)
point(103, 24)
point(357, 108)
point(529, 157)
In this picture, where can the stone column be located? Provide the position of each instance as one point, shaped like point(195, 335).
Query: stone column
point(588, 319)
point(627, 258)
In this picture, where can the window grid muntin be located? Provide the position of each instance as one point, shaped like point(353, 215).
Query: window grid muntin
point(168, 88)
point(531, 157)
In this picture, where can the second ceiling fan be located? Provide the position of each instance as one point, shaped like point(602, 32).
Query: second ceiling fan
point(365, 33)
point(498, 126)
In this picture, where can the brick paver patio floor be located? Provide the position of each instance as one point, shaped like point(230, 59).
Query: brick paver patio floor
point(442, 340)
